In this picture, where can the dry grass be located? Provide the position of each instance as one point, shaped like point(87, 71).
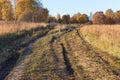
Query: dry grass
point(103, 37)
point(10, 27)
point(11, 39)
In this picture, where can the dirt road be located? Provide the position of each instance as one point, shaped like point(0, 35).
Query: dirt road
point(67, 57)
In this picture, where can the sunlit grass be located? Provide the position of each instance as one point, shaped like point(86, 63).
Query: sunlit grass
point(11, 27)
point(103, 37)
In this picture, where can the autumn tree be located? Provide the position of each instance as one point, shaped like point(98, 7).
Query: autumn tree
point(26, 16)
point(23, 6)
point(66, 19)
point(116, 17)
point(83, 18)
point(6, 11)
point(41, 16)
point(51, 19)
point(109, 12)
point(79, 18)
point(99, 18)
point(108, 15)
point(0, 10)
point(30, 10)
point(45, 14)
point(74, 18)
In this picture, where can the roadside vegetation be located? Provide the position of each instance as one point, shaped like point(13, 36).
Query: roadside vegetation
point(104, 37)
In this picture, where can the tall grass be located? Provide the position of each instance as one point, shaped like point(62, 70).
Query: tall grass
point(103, 37)
point(11, 27)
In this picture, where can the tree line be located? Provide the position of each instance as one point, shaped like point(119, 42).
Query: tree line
point(76, 18)
point(33, 11)
point(109, 17)
point(23, 10)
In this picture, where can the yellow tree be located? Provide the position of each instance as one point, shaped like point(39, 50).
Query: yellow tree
point(0, 10)
point(23, 6)
point(75, 18)
point(30, 10)
point(108, 15)
point(6, 10)
point(83, 18)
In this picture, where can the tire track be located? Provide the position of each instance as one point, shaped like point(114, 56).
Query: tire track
point(67, 62)
point(61, 66)
point(79, 73)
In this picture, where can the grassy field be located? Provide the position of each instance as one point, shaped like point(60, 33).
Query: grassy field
point(103, 37)
point(11, 27)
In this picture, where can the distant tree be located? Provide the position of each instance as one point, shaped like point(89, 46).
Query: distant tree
point(116, 17)
point(108, 15)
point(66, 19)
point(51, 19)
point(109, 12)
point(99, 18)
point(83, 18)
point(79, 18)
point(75, 18)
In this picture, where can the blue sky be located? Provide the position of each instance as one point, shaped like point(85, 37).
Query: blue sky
point(82, 6)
